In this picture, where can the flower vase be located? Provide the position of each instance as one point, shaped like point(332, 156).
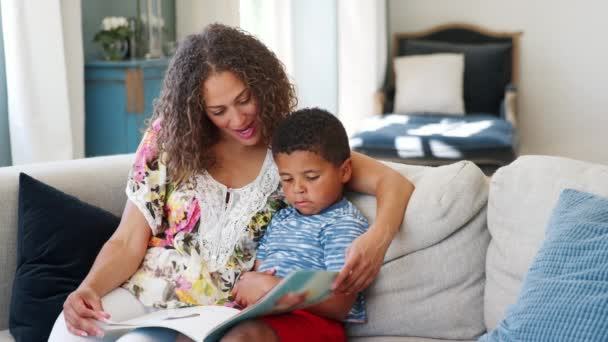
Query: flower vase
point(115, 51)
point(152, 26)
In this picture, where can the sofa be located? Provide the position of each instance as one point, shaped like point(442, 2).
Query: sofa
point(465, 244)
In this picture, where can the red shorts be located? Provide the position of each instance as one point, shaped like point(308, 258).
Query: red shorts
point(303, 326)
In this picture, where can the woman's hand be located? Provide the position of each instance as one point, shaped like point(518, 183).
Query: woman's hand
point(252, 286)
point(80, 309)
point(364, 257)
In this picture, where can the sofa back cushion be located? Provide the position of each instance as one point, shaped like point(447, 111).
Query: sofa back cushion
point(431, 284)
point(522, 196)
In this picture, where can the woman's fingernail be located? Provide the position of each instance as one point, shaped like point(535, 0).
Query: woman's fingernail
point(99, 333)
point(83, 334)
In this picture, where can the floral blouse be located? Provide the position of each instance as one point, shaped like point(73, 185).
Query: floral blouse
point(204, 234)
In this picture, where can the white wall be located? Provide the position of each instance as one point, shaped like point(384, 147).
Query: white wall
point(192, 16)
point(362, 52)
point(563, 87)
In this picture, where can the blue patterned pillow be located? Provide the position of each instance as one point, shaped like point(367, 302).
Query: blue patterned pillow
point(564, 296)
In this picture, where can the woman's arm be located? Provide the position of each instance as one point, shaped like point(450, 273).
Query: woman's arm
point(365, 255)
point(122, 254)
point(119, 258)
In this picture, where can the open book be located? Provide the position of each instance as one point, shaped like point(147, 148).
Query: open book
point(210, 323)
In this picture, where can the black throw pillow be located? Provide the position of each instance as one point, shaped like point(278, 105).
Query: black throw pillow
point(487, 70)
point(58, 239)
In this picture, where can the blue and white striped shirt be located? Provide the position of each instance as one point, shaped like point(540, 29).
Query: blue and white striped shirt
point(313, 242)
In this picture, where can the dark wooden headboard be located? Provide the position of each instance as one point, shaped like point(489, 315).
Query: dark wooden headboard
point(449, 33)
point(461, 33)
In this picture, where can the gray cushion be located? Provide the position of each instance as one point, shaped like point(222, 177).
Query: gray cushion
point(522, 196)
point(399, 339)
point(5, 336)
point(431, 284)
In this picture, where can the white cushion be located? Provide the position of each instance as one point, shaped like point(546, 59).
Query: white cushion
point(522, 196)
point(429, 84)
point(431, 284)
point(5, 336)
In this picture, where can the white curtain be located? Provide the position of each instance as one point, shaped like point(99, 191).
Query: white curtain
point(45, 82)
point(362, 53)
point(271, 22)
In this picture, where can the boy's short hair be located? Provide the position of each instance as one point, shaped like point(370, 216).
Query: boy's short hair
point(314, 130)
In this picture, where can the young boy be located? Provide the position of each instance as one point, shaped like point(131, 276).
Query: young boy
point(312, 154)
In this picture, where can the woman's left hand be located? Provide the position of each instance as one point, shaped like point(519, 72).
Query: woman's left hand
point(364, 257)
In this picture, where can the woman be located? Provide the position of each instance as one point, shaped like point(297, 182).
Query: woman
point(204, 187)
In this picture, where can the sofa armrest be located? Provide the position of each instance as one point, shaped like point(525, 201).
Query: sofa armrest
point(508, 108)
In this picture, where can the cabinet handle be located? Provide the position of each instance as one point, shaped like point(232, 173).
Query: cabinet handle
point(134, 86)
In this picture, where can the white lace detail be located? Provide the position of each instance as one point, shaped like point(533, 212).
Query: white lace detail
point(223, 224)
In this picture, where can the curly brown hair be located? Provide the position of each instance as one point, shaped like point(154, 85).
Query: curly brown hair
point(187, 135)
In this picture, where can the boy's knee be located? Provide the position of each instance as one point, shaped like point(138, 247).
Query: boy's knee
point(250, 331)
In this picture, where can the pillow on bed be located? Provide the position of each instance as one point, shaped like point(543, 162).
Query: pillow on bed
point(487, 70)
point(429, 84)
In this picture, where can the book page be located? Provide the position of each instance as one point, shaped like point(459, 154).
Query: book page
point(315, 284)
point(210, 323)
point(194, 322)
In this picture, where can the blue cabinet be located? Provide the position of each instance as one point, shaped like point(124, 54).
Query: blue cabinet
point(118, 99)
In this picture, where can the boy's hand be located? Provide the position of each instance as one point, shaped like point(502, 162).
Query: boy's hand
point(252, 286)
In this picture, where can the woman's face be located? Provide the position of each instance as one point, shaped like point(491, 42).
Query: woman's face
point(231, 107)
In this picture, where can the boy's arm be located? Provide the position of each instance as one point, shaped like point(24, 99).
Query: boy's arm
point(335, 240)
point(336, 307)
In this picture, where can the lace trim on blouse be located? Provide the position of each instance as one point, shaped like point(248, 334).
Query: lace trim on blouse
point(223, 223)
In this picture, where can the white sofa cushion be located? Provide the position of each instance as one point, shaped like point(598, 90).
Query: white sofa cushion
point(522, 196)
point(5, 336)
point(397, 339)
point(429, 84)
point(431, 284)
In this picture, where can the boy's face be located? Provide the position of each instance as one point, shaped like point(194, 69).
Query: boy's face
point(310, 182)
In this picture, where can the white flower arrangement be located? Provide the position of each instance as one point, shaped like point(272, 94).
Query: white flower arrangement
point(113, 37)
point(112, 23)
